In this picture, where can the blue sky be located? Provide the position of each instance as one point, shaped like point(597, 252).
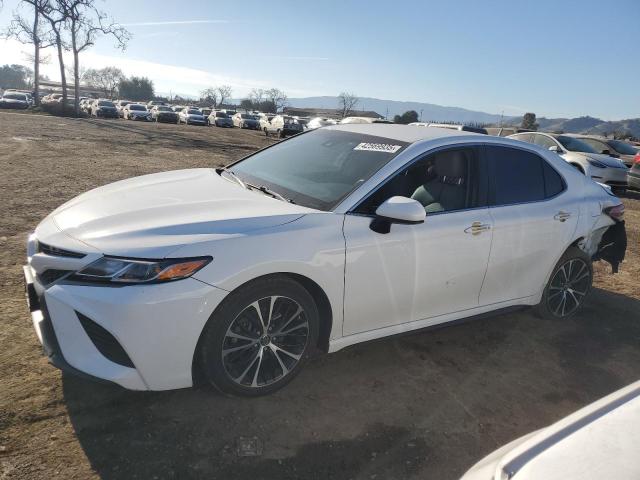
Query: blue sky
point(556, 58)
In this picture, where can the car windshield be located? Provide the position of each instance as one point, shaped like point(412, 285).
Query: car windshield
point(137, 107)
point(622, 147)
point(221, 115)
point(104, 103)
point(164, 109)
point(318, 169)
point(246, 116)
point(289, 120)
point(575, 145)
point(15, 96)
point(194, 112)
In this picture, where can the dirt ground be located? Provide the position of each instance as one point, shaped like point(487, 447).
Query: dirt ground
point(426, 405)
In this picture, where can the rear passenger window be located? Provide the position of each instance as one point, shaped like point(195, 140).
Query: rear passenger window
point(517, 176)
point(553, 183)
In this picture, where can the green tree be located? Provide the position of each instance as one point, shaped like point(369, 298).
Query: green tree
point(407, 117)
point(137, 89)
point(529, 121)
point(15, 76)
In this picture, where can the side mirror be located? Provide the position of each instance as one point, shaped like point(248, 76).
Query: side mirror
point(397, 210)
point(606, 152)
point(555, 148)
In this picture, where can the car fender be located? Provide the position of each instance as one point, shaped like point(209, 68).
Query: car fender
point(311, 246)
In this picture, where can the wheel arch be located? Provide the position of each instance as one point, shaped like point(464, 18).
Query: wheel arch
point(315, 290)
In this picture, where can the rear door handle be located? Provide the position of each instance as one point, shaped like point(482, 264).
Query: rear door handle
point(477, 228)
point(562, 216)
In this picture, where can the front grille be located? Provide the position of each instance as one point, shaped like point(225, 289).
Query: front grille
point(57, 252)
point(106, 343)
point(51, 275)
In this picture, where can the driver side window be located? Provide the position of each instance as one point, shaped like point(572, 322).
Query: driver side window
point(444, 181)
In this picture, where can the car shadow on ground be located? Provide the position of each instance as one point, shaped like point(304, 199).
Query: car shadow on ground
point(426, 405)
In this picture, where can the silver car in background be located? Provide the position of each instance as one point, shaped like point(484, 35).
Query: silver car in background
point(136, 111)
point(191, 116)
point(601, 168)
point(220, 119)
point(610, 146)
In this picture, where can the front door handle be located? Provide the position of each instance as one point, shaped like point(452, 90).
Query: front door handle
point(562, 216)
point(477, 228)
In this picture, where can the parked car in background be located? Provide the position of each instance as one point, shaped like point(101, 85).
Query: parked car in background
point(504, 131)
point(52, 98)
point(220, 119)
point(380, 230)
point(206, 111)
point(601, 168)
point(598, 441)
point(191, 116)
point(104, 109)
point(153, 103)
point(318, 122)
point(120, 104)
point(178, 108)
point(348, 120)
point(246, 120)
point(265, 121)
point(163, 113)
point(460, 128)
point(283, 126)
point(608, 146)
point(633, 175)
point(14, 100)
point(136, 111)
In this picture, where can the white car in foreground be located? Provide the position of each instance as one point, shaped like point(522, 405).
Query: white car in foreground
point(597, 442)
point(337, 236)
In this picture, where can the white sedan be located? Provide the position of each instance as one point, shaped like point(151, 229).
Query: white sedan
point(341, 235)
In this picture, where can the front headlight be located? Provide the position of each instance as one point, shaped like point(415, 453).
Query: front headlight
point(596, 163)
point(125, 270)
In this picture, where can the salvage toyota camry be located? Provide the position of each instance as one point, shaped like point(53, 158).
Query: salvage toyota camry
point(336, 236)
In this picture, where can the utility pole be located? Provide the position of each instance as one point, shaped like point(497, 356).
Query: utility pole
point(501, 117)
point(421, 114)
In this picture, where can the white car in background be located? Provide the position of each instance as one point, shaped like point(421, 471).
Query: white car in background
point(191, 116)
point(601, 168)
point(136, 111)
point(237, 274)
point(318, 122)
point(597, 442)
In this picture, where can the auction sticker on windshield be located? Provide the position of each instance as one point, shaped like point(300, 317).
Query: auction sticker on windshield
point(378, 147)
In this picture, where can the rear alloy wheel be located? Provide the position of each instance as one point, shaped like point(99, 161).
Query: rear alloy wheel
point(569, 285)
point(258, 339)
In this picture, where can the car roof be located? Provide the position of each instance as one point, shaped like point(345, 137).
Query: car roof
point(402, 133)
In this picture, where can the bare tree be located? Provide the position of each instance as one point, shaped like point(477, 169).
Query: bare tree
point(257, 96)
point(277, 97)
point(85, 22)
point(31, 32)
point(210, 95)
point(55, 20)
point(224, 92)
point(347, 101)
point(106, 79)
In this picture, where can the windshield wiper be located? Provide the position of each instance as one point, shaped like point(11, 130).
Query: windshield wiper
point(268, 191)
point(234, 176)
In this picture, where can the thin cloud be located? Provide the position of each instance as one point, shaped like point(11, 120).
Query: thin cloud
point(172, 22)
point(304, 59)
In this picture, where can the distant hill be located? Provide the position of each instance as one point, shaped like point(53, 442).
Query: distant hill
point(389, 108)
point(587, 125)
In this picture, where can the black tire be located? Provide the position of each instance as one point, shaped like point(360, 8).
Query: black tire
point(251, 350)
point(568, 286)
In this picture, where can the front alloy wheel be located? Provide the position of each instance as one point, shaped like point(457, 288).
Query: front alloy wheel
point(265, 342)
point(259, 337)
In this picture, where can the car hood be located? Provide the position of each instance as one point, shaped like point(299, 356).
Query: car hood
point(606, 159)
point(152, 215)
